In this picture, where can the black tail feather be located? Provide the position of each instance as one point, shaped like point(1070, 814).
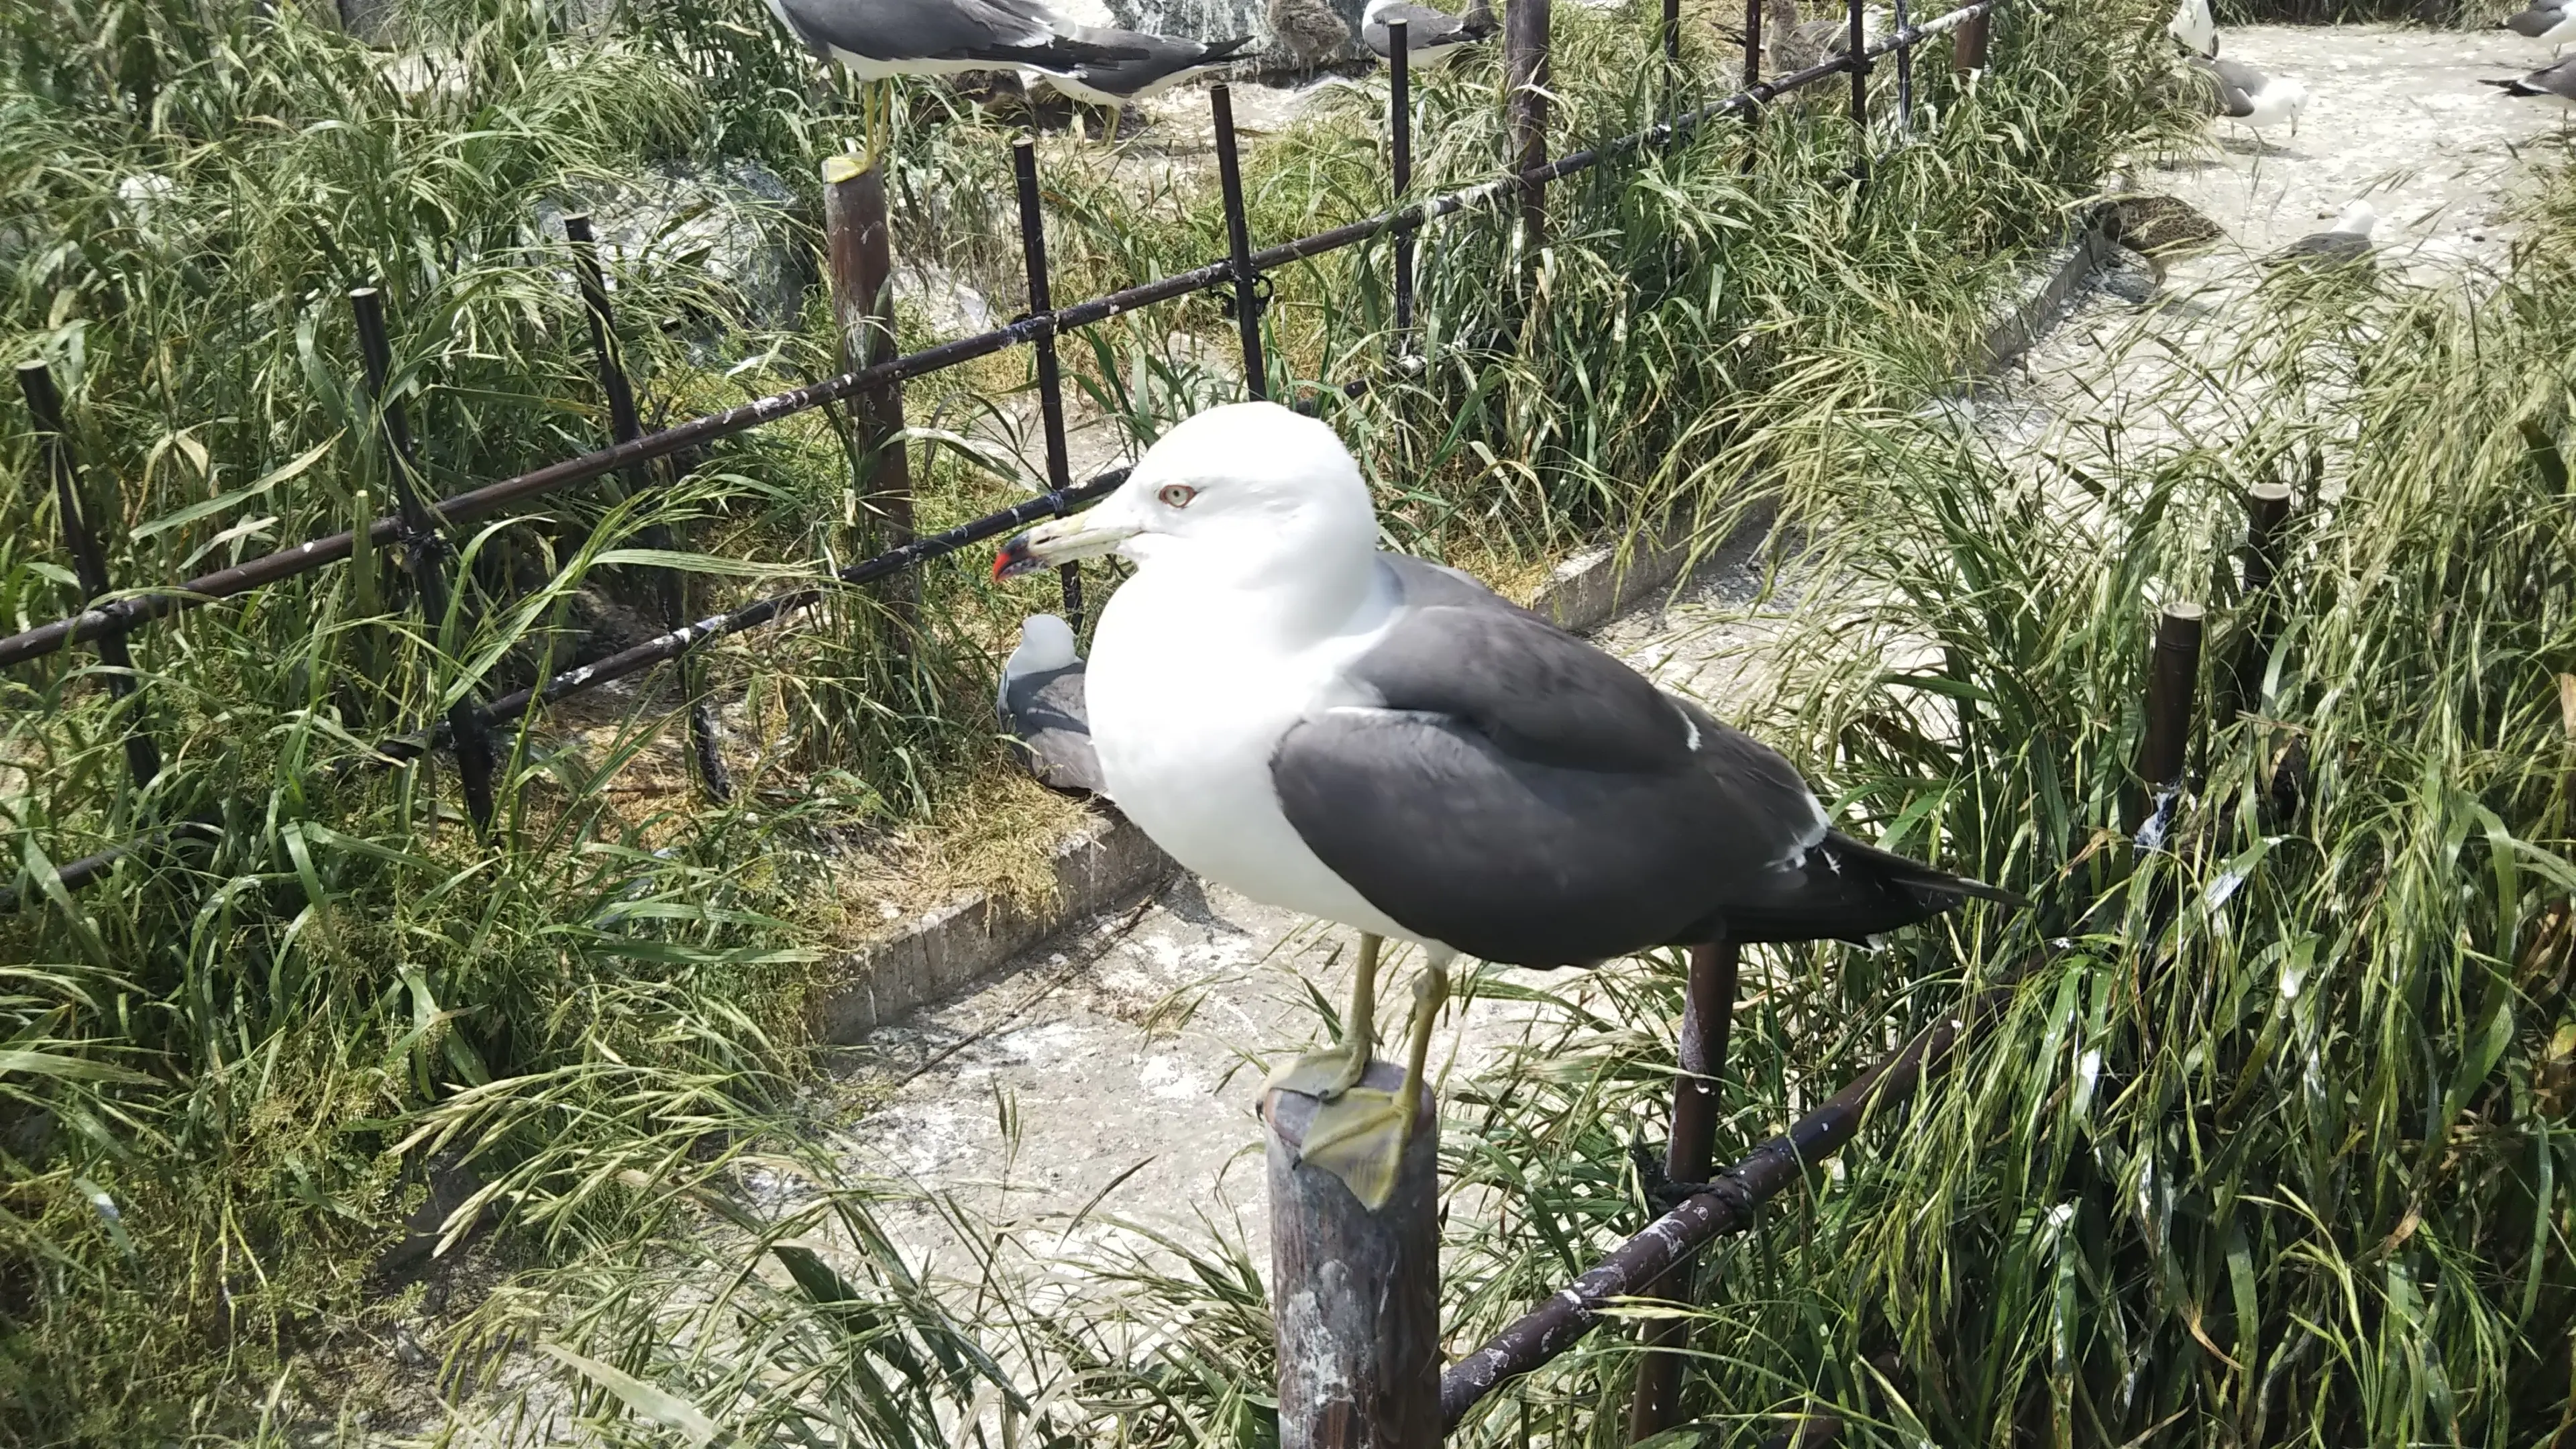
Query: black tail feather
point(1847, 891)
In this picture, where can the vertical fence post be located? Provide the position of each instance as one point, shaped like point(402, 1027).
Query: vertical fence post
point(1525, 69)
point(1356, 1293)
point(1968, 43)
point(424, 551)
point(1059, 465)
point(1399, 126)
point(860, 257)
point(1238, 241)
point(1857, 58)
point(1708, 1020)
point(671, 589)
point(1904, 73)
point(89, 564)
point(2173, 672)
point(2267, 511)
point(1672, 34)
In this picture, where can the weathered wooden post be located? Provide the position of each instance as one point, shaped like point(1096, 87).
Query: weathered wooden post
point(1355, 1294)
point(2173, 675)
point(1968, 44)
point(89, 563)
point(671, 590)
point(2267, 512)
point(1708, 1021)
point(424, 551)
point(1525, 70)
point(859, 258)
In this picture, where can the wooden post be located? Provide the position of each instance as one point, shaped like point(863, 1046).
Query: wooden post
point(2173, 673)
point(1355, 1294)
point(859, 258)
point(1968, 43)
point(89, 563)
point(1525, 33)
point(2267, 511)
point(1708, 1020)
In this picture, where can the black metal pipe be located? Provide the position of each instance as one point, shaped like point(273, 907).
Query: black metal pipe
point(1238, 240)
point(697, 432)
point(1856, 50)
point(1904, 74)
point(1708, 1022)
point(1399, 130)
point(1059, 464)
point(89, 564)
point(1729, 1206)
point(424, 549)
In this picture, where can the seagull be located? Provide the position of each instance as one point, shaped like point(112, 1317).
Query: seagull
point(1168, 60)
point(2552, 25)
point(1040, 706)
point(1431, 36)
point(2194, 28)
point(2556, 83)
point(2346, 242)
point(1311, 32)
point(881, 39)
point(1384, 743)
point(2252, 99)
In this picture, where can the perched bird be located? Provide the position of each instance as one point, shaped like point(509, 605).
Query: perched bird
point(2194, 28)
point(2252, 99)
point(1167, 61)
point(1431, 36)
point(1792, 43)
point(1310, 32)
point(881, 39)
point(1384, 743)
point(2346, 242)
point(1040, 705)
point(2159, 228)
point(2553, 26)
point(2557, 83)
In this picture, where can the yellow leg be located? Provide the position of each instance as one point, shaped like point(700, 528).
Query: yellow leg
point(1360, 1136)
point(1328, 1074)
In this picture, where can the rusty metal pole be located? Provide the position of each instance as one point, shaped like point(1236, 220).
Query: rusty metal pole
point(1356, 1294)
point(1399, 126)
point(1059, 465)
point(671, 590)
point(2173, 674)
point(1525, 69)
point(89, 564)
point(1238, 241)
point(859, 258)
point(424, 551)
point(1708, 1020)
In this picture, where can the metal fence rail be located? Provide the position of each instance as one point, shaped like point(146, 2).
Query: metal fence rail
point(418, 530)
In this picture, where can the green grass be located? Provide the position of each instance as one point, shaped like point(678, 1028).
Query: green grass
point(250, 1055)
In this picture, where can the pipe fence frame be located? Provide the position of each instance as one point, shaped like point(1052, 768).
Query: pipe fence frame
point(419, 525)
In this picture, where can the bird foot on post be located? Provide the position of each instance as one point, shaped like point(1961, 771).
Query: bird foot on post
point(1360, 1138)
point(1325, 1075)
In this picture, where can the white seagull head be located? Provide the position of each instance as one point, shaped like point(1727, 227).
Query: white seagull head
point(1248, 490)
point(2357, 219)
point(1046, 642)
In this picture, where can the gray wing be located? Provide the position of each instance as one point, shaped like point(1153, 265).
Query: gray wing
point(2558, 80)
point(2323, 248)
point(1158, 56)
point(1424, 28)
point(1005, 32)
point(2237, 85)
point(2533, 22)
point(1526, 798)
point(1046, 714)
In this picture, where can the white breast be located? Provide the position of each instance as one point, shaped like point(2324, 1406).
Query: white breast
point(1186, 710)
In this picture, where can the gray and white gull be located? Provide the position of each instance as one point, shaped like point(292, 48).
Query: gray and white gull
point(1382, 742)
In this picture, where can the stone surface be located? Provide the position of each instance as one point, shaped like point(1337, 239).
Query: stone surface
point(730, 221)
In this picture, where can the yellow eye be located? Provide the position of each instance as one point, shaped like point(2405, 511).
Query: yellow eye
point(1177, 495)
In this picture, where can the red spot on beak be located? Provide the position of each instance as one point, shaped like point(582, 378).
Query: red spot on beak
point(1012, 559)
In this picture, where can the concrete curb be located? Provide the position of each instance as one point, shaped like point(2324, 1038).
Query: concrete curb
point(1109, 863)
